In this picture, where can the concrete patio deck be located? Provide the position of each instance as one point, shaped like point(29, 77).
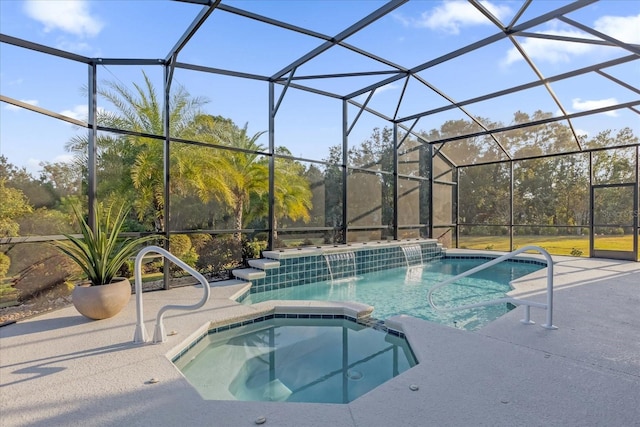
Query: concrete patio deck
point(61, 369)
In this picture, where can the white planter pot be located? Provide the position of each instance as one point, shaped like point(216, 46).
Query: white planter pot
point(102, 302)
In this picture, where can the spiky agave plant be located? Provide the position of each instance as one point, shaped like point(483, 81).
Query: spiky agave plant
point(100, 253)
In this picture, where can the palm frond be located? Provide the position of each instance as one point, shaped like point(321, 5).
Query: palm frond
point(101, 252)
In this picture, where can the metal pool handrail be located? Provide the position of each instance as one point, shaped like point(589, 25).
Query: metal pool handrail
point(528, 304)
point(140, 335)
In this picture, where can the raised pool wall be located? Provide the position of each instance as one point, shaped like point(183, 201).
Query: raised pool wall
point(293, 267)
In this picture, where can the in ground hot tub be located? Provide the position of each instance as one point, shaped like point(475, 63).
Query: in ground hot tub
point(295, 358)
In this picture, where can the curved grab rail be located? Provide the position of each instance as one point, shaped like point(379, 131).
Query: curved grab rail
point(140, 335)
point(528, 304)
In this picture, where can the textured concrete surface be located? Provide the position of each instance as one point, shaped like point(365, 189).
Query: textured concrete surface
point(61, 369)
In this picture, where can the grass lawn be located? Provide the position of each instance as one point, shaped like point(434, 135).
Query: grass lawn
point(556, 245)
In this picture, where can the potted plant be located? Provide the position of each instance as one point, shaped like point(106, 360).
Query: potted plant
point(100, 253)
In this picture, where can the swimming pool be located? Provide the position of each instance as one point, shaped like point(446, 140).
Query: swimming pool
point(404, 290)
point(295, 360)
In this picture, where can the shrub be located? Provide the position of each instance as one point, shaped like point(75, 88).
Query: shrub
point(49, 273)
point(127, 269)
point(252, 249)
point(181, 247)
point(576, 252)
point(219, 254)
point(179, 244)
point(44, 221)
point(279, 243)
point(481, 230)
point(198, 241)
point(5, 262)
point(101, 252)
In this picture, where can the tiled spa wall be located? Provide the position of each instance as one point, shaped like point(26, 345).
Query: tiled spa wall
point(309, 265)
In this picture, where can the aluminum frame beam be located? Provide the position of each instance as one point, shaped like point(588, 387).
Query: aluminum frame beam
point(15, 41)
point(541, 122)
point(372, 17)
point(192, 29)
point(525, 86)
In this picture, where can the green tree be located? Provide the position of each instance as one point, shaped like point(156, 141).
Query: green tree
point(572, 191)
point(14, 205)
point(136, 162)
point(467, 151)
point(20, 179)
point(314, 175)
point(334, 195)
point(245, 172)
point(292, 193)
point(615, 165)
point(62, 180)
point(484, 194)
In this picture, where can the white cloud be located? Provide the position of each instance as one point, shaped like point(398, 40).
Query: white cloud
point(79, 112)
point(386, 88)
point(33, 165)
point(63, 158)
point(625, 29)
point(378, 91)
point(582, 133)
point(72, 46)
point(451, 16)
point(550, 50)
point(401, 19)
point(12, 107)
point(580, 105)
point(70, 16)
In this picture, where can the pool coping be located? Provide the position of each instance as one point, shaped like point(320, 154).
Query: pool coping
point(531, 285)
point(61, 369)
point(330, 249)
point(353, 311)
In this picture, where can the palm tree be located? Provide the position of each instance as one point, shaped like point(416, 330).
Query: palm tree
point(232, 175)
point(292, 195)
point(140, 111)
point(292, 192)
point(245, 171)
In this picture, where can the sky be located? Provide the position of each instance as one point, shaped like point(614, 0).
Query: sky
point(416, 32)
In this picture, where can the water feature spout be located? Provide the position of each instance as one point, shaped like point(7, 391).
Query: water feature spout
point(413, 255)
point(341, 265)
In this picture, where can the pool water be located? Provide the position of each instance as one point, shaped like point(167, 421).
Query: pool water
point(404, 291)
point(295, 360)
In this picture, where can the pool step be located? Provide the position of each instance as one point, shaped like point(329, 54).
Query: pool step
point(264, 263)
point(223, 283)
point(231, 289)
point(248, 273)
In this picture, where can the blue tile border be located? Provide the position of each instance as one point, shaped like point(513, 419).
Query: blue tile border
point(489, 258)
point(305, 269)
point(367, 322)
